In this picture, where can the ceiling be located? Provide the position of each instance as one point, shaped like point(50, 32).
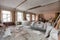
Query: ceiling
point(52, 7)
point(32, 3)
point(24, 5)
point(10, 3)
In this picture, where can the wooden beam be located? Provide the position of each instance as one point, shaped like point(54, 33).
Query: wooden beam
point(21, 3)
point(41, 6)
point(34, 7)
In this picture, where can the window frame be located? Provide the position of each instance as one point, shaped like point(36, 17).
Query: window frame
point(28, 17)
point(17, 18)
point(33, 18)
point(2, 14)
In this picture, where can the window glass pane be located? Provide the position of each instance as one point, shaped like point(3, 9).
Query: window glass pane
point(19, 16)
point(4, 20)
point(6, 16)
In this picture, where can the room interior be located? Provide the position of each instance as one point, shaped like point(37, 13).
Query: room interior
point(29, 20)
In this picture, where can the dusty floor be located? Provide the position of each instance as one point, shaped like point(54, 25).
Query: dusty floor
point(23, 34)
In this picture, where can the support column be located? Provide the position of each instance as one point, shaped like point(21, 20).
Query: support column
point(0, 15)
point(13, 16)
point(35, 17)
point(30, 17)
point(24, 16)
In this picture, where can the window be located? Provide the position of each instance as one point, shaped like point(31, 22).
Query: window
point(28, 17)
point(6, 16)
point(33, 17)
point(19, 16)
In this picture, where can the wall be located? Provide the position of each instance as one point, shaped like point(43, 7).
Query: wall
point(48, 15)
point(24, 16)
point(13, 16)
point(30, 17)
point(0, 14)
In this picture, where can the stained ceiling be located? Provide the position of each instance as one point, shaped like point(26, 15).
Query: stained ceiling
point(36, 6)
